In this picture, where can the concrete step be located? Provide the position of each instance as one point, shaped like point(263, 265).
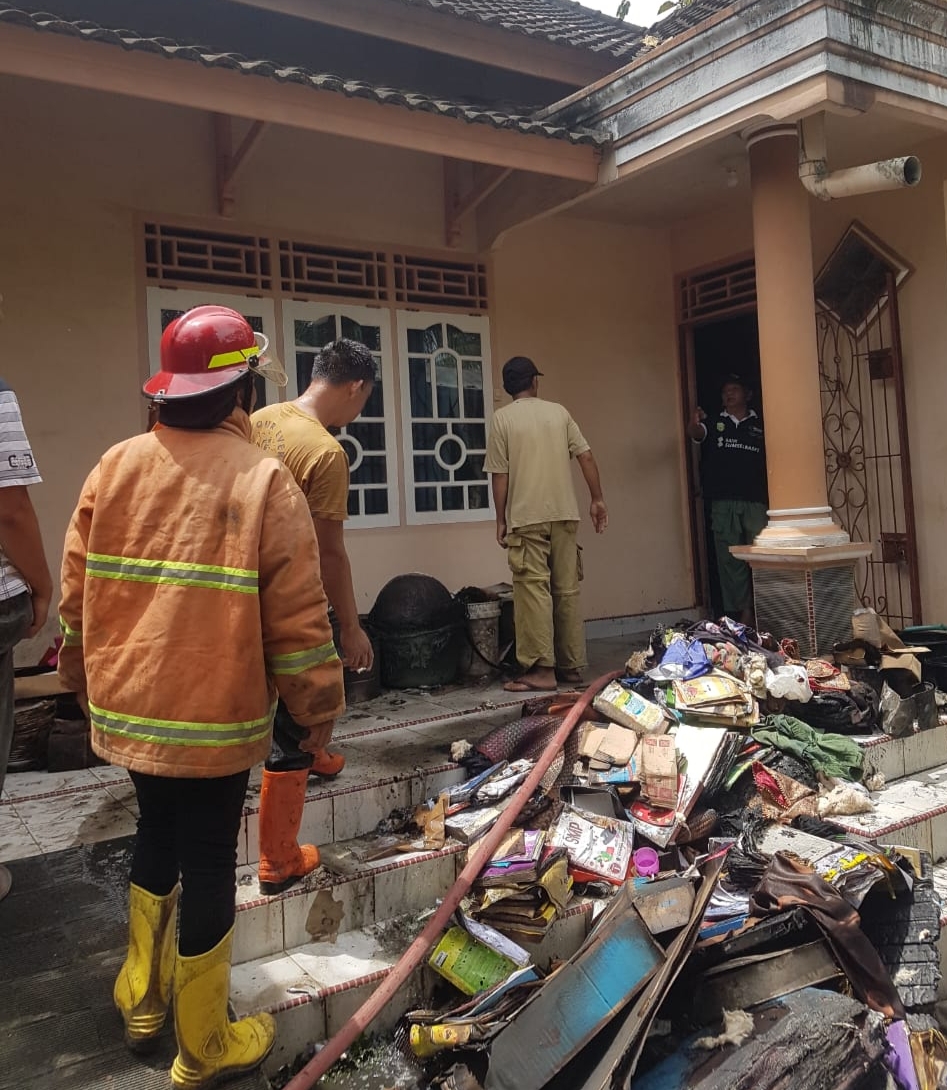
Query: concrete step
point(312, 989)
point(384, 770)
point(323, 906)
point(896, 758)
point(910, 811)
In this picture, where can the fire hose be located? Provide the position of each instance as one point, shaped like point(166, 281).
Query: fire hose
point(418, 950)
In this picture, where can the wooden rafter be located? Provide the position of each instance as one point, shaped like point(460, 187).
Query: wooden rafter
point(457, 205)
point(230, 162)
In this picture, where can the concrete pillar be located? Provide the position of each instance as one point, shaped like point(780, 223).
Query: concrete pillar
point(803, 561)
point(799, 514)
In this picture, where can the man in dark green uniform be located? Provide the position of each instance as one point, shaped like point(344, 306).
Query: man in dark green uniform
point(734, 460)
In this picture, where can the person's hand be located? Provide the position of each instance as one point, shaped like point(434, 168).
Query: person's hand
point(357, 651)
point(599, 515)
point(83, 701)
point(318, 738)
point(40, 613)
point(699, 417)
point(501, 533)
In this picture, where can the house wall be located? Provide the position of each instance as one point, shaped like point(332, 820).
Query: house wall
point(593, 305)
point(911, 223)
point(89, 167)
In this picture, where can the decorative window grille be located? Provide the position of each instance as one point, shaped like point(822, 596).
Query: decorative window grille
point(369, 440)
point(322, 270)
point(446, 396)
point(719, 291)
point(166, 304)
point(189, 256)
point(432, 282)
point(441, 360)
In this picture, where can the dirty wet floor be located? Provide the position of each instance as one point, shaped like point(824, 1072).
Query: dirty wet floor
point(62, 940)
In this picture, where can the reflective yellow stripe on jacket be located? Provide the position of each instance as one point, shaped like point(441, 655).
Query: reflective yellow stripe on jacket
point(70, 636)
point(177, 573)
point(298, 661)
point(173, 732)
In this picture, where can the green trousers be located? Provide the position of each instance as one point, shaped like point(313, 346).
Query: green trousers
point(735, 522)
point(546, 565)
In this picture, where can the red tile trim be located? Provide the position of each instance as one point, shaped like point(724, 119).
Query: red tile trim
point(346, 879)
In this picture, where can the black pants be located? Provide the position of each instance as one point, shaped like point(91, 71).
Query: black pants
point(285, 754)
point(188, 828)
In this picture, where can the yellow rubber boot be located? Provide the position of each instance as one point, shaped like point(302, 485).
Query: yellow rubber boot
point(283, 860)
point(210, 1047)
point(143, 987)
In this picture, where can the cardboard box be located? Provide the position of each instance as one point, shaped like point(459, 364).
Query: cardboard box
point(618, 745)
point(659, 770)
point(468, 964)
point(623, 706)
point(611, 967)
point(664, 905)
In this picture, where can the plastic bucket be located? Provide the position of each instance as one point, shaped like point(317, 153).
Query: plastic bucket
point(421, 660)
point(483, 635)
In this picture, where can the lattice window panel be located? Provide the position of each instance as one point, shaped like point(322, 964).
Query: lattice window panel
point(432, 282)
point(184, 255)
point(446, 397)
point(306, 269)
point(369, 441)
point(719, 291)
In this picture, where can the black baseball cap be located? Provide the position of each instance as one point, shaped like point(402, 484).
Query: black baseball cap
point(735, 380)
point(519, 370)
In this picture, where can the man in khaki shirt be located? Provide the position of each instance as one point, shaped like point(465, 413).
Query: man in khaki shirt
point(528, 454)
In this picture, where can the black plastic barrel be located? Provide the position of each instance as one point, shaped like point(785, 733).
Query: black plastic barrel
point(421, 660)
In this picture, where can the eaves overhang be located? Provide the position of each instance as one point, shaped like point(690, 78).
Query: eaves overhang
point(767, 58)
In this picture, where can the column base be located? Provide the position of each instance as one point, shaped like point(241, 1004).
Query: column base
point(801, 527)
point(805, 593)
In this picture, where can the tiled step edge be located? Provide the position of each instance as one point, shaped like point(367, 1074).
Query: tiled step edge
point(349, 810)
point(911, 811)
point(896, 758)
point(313, 989)
point(323, 905)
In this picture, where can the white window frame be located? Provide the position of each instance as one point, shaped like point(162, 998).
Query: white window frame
point(159, 299)
point(468, 323)
point(297, 310)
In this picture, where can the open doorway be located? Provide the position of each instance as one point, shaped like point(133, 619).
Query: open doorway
point(716, 348)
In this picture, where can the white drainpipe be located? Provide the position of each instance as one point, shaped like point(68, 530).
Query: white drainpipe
point(815, 175)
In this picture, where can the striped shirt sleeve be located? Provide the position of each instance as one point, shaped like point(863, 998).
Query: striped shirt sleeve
point(17, 464)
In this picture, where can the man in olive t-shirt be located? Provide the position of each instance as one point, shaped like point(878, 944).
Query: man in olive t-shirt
point(529, 451)
point(343, 377)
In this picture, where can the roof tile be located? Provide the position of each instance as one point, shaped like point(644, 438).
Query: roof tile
point(564, 21)
point(323, 81)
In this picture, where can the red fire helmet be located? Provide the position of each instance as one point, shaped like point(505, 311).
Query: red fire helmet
point(203, 349)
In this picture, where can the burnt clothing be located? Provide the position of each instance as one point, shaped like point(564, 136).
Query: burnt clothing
point(734, 459)
point(788, 884)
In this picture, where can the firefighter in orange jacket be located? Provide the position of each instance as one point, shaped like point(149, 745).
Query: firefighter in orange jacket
point(188, 605)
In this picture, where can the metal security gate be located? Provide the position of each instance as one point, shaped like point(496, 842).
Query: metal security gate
point(867, 460)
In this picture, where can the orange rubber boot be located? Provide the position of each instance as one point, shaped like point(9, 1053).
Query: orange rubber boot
point(283, 861)
point(326, 764)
